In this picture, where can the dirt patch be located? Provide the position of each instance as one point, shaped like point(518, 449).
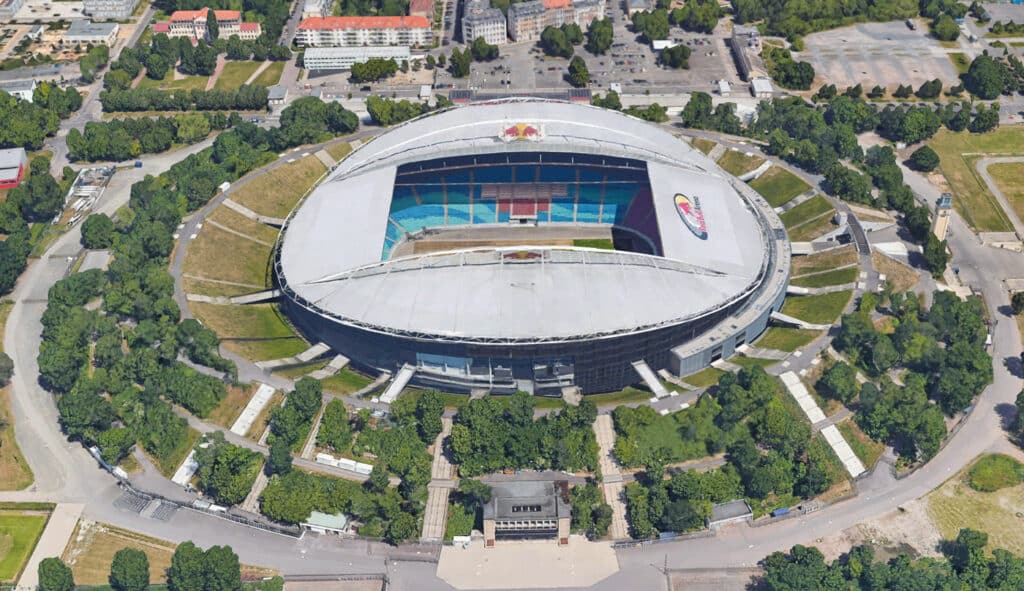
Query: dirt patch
point(909, 529)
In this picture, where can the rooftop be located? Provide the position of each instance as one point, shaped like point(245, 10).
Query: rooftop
point(87, 28)
point(421, 6)
point(191, 15)
point(730, 510)
point(337, 521)
point(329, 23)
point(277, 93)
point(525, 500)
point(761, 85)
point(18, 85)
point(11, 157)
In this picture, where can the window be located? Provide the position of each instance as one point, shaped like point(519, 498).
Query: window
point(526, 508)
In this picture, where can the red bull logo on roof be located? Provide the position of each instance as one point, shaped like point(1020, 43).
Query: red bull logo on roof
point(522, 131)
point(692, 215)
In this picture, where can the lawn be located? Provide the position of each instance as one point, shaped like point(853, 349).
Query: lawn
point(958, 153)
point(19, 532)
point(994, 472)
point(255, 331)
point(235, 74)
point(813, 229)
point(346, 381)
point(867, 449)
point(704, 378)
point(602, 243)
point(1009, 178)
point(247, 265)
point(339, 150)
point(744, 361)
point(294, 372)
point(825, 261)
point(902, 277)
point(786, 339)
point(229, 408)
point(961, 62)
point(836, 277)
point(167, 466)
point(232, 219)
point(703, 145)
point(817, 309)
point(778, 186)
point(627, 395)
point(214, 289)
point(270, 76)
point(955, 505)
point(806, 211)
point(737, 163)
point(15, 473)
point(275, 193)
point(263, 420)
point(169, 83)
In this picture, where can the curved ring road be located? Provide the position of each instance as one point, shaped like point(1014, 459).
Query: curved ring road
point(65, 472)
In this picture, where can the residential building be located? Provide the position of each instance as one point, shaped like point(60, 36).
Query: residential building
point(192, 24)
point(360, 31)
point(86, 31)
point(22, 89)
point(480, 20)
point(317, 8)
point(109, 9)
point(13, 164)
point(527, 20)
point(342, 58)
point(424, 8)
point(9, 8)
point(522, 510)
point(635, 6)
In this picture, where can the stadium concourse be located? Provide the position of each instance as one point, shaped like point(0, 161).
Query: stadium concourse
point(520, 295)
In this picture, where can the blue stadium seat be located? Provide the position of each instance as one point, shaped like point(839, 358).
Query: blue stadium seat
point(484, 212)
point(562, 210)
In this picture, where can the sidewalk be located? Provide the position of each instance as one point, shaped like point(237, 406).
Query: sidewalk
point(55, 538)
point(604, 431)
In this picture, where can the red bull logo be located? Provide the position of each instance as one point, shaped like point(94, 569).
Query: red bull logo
point(522, 131)
point(692, 215)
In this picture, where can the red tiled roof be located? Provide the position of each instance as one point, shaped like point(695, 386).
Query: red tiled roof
point(162, 27)
point(329, 23)
point(191, 15)
point(249, 26)
point(422, 6)
point(551, 4)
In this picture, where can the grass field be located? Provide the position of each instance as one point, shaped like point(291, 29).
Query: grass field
point(169, 83)
point(994, 472)
point(15, 473)
point(866, 448)
point(736, 163)
point(235, 74)
point(902, 277)
point(1009, 177)
point(806, 211)
point(958, 152)
point(813, 229)
point(778, 186)
point(19, 532)
point(602, 243)
point(212, 288)
point(836, 277)
point(704, 378)
point(238, 222)
point(703, 145)
point(786, 339)
point(275, 193)
point(961, 62)
point(346, 381)
point(232, 405)
point(255, 331)
point(270, 76)
point(340, 150)
point(955, 505)
point(825, 261)
point(247, 264)
point(817, 309)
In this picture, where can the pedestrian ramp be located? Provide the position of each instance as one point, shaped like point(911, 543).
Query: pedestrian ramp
point(803, 398)
point(252, 410)
point(303, 358)
point(649, 378)
point(255, 298)
point(797, 323)
point(398, 384)
point(337, 364)
point(843, 451)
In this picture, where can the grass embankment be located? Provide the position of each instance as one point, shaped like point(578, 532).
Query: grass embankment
point(15, 473)
point(955, 505)
point(827, 278)
point(339, 151)
point(235, 74)
point(737, 163)
point(19, 533)
point(255, 331)
point(744, 361)
point(627, 395)
point(810, 219)
point(169, 83)
point(228, 410)
point(346, 381)
point(824, 261)
point(239, 223)
point(276, 192)
point(786, 339)
point(703, 145)
point(779, 186)
point(1009, 178)
point(704, 378)
point(902, 277)
point(270, 76)
point(958, 153)
point(262, 421)
point(601, 243)
point(208, 257)
point(817, 309)
point(867, 449)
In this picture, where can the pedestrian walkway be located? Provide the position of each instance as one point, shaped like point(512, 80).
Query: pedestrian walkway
point(647, 375)
point(614, 492)
point(259, 70)
point(796, 322)
point(252, 500)
point(435, 514)
point(803, 398)
point(55, 538)
point(338, 363)
point(310, 445)
point(304, 357)
point(252, 215)
point(252, 410)
point(395, 387)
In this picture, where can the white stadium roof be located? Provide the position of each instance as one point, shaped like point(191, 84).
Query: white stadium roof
point(330, 255)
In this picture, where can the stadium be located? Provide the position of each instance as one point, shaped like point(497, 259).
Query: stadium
point(529, 244)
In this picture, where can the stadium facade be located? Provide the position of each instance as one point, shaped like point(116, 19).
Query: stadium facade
point(700, 260)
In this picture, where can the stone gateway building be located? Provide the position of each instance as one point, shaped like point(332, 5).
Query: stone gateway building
point(526, 511)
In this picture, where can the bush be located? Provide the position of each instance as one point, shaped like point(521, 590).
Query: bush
point(994, 472)
point(924, 159)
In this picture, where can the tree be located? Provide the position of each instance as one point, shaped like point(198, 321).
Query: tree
point(54, 575)
point(555, 43)
point(924, 159)
point(700, 16)
point(652, 26)
point(984, 78)
point(460, 63)
point(212, 27)
point(373, 70)
point(130, 570)
point(429, 410)
point(191, 127)
point(945, 28)
point(935, 255)
point(677, 57)
point(1017, 302)
point(279, 460)
point(599, 36)
point(579, 75)
point(226, 472)
point(839, 382)
point(221, 570)
point(402, 528)
point(483, 51)
point(930, 89)
point(97, 231)
point(6, 368)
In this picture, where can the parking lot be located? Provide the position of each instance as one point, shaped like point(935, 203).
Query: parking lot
point(887, 54)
